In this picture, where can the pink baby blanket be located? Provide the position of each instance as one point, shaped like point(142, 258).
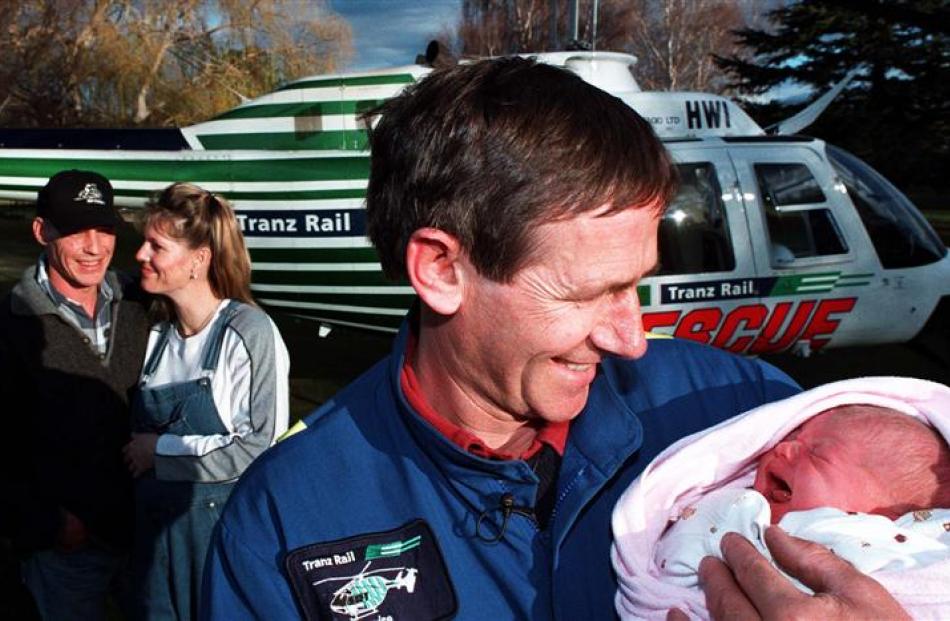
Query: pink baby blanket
point(725, 456)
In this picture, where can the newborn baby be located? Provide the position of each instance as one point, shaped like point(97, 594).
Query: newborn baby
point(857, 466)
point(860, 458)
point(862, 480)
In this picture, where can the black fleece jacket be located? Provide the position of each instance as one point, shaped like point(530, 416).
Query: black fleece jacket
point(64, 410)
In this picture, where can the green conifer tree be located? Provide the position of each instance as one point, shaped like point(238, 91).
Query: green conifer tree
point(895, 113)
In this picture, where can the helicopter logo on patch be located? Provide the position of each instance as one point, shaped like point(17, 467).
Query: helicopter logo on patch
point(395, 575)
point(363, 593)
point(90, 194)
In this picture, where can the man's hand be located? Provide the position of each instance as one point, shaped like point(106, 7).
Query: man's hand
point(747, 586)
point(139, 453)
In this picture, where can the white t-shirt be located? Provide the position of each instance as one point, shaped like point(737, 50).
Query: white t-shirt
point(244, 353)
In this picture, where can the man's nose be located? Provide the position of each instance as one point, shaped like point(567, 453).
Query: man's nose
point(620, 329)
point(92, 243)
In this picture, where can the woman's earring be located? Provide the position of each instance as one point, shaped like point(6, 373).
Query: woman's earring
point(194, 272)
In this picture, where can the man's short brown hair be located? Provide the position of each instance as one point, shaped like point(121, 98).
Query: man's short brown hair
point(488, 150)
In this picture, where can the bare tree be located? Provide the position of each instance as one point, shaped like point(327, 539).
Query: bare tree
point(155, 62)
point(674, 40)
point(493, 27)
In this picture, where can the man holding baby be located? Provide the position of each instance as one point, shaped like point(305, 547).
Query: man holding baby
point(474, 470)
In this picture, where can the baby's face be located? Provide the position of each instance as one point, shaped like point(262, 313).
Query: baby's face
point(818, 465)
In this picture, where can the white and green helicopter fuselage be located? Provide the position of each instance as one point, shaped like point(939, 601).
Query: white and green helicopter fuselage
point(773, 242)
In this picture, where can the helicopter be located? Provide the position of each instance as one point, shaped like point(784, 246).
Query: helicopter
point(363, 594)
point(775, 241)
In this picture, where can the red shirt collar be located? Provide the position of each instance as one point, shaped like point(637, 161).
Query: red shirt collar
point(552, 434)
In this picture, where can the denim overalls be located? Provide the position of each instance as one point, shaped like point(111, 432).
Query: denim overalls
point(174, 519)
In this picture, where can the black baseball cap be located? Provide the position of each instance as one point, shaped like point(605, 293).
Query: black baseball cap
point(73, 200)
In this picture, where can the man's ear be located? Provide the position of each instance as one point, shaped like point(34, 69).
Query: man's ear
point(38, 233)
point(436, 269)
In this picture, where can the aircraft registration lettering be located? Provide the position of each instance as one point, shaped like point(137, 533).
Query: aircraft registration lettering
point(707, 113)
point(755, 328)
point(285, 223)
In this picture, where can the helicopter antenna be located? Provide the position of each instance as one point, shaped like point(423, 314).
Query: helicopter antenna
point(593, 32)
point(572, 18)
point(575, 43)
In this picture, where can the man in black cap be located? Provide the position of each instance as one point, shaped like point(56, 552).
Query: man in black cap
point(72, 340)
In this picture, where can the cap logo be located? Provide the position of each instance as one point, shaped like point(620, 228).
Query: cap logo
point(90, 194)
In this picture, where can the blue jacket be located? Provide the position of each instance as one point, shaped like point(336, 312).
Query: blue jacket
point(370, 511)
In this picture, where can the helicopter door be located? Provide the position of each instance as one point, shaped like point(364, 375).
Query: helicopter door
point(706, 263)
point(813, 256)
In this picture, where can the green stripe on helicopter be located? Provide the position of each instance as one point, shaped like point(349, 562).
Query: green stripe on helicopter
point(296, 195)
point(231, 195)
point(306, 109)
point(197, 166)
point(800, 284)
point(347, 140)
point(366, 80)
point(643, 292)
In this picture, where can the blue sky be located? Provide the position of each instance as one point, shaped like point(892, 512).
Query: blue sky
point(391, 32)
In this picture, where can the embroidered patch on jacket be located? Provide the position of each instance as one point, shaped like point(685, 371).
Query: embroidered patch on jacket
point(397, 575)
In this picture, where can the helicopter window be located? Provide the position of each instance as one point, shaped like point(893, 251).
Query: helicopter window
point(694, 234)
point(803, 234)
point(784, 185)
point(901, 236)
point(800, 230)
